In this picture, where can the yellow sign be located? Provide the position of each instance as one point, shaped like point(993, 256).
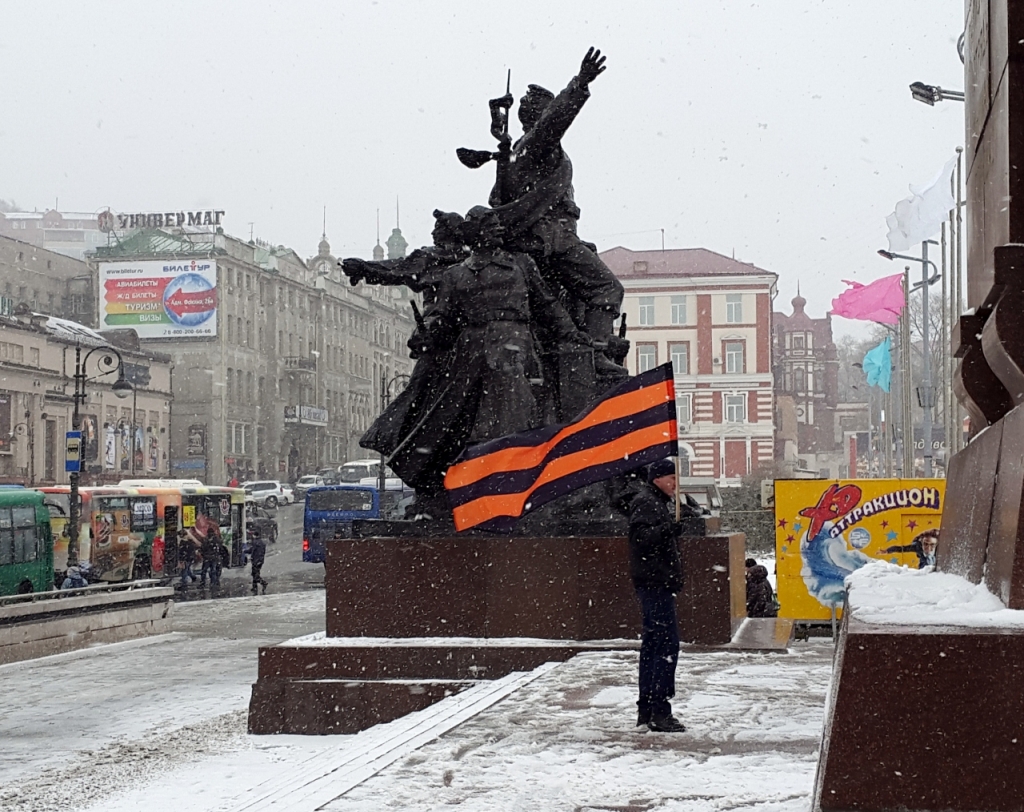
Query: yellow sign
point(188, 515)
point(826, 529)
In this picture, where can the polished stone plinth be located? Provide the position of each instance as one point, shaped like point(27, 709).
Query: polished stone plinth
point(924, 718)
point(411, 620)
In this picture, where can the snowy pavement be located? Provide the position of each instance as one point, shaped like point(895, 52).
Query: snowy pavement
point(160, 724)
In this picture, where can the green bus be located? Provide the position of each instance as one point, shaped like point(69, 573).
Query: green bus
point(26, 543)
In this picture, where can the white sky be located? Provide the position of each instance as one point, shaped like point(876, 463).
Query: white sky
point(783, 131)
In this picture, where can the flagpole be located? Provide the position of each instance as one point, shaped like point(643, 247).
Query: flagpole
point(907, 384)
point(677, 488)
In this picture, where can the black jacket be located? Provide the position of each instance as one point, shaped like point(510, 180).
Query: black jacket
point(760, 597)
point(653, 542)
point(258, 552)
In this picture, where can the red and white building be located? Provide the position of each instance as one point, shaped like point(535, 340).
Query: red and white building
point(711, 316)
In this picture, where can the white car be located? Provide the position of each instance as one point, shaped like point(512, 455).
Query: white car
point(307, 482)
point(269, 493)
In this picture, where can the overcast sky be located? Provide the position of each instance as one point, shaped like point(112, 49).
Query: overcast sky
point(782, 131)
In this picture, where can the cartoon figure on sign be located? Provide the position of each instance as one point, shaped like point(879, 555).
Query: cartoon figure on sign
point(827, 559)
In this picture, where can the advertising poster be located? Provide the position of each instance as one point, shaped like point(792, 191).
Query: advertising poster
point(109, 447)
point(826, 529)
point(160, 299)
point(90, 438)
point(196, 440)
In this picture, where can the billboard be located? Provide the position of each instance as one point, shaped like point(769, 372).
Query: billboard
point(826, 529)
point(160, 298)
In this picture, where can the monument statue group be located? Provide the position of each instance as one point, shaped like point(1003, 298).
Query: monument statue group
point(518, 326)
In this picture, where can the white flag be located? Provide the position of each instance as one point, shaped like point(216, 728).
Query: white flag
point(920, 216)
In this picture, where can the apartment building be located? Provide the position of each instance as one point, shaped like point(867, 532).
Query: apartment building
point(711, 317)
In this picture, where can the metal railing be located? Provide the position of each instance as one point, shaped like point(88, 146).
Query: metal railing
point(92, 589)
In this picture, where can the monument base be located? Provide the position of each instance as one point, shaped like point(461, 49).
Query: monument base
point(924, 718)
point(411, 620)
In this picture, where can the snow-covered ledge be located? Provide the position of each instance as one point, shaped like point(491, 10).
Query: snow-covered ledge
point(883, 593)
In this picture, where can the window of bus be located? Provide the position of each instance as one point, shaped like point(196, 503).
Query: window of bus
point(18, 535)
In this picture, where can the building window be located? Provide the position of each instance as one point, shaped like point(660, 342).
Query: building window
point(646, 311)
point(684, 409)
point(798, 341)
point(799, 380)
point(679, 310)
point(646, 357)
point(734, 308)
point(680, 355)
point(735, 408)
point(734, 357)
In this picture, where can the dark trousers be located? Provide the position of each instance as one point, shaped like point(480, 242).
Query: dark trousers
point(659, 651)
point(256, 577)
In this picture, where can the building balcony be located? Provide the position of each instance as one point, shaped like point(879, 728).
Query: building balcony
point(296, 363)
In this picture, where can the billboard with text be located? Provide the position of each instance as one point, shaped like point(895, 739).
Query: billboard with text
point(160, 298)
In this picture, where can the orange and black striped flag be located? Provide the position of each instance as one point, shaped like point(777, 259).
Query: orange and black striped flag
point(493, 484)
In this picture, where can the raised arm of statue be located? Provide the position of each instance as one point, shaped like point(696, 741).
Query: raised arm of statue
point(560, 113)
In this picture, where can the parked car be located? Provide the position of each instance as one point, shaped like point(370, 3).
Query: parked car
point(268, 493)
point(257, 520)
point(354, 470)
point(307, 482)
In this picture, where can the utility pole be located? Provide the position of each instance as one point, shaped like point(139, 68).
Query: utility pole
point(926, 359)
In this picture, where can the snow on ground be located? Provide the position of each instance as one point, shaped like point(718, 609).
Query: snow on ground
point(161, 726)
point(881, 592)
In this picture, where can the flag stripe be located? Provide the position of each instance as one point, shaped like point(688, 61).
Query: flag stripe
point(523, 456)
point(588, 476)
point(488, 507)
point(536, 436)
point(516, 480)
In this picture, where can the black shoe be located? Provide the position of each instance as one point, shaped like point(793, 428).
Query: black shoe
point(643, 718)
point(665, 724)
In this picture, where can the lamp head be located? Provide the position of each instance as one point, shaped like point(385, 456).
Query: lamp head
point(121, 387)
point(929, 94)
point(886, 254)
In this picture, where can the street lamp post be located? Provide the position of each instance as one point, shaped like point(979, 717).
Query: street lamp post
point(385, 401)
point(105, 364)
point(926, 395)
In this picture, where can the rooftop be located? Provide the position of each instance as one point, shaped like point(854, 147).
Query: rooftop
point(676, 262)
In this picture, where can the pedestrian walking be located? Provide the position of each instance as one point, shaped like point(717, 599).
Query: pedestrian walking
point(207, 535)
point(187, 549)
point(257, 555)
point(657, 577)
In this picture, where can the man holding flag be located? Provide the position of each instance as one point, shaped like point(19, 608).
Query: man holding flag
point(658, 578)
point(493, 484)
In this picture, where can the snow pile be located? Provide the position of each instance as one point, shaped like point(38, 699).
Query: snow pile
point(321, 640)
point(881, 592)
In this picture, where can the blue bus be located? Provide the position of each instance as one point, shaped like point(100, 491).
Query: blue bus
point(329, 513)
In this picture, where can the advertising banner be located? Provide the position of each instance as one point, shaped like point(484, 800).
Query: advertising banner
point(826, 529)
point(160, 299)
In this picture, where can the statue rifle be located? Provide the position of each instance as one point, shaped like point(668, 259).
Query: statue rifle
point(422, 325)
point(475, 158)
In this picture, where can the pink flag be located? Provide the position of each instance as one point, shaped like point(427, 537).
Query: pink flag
point(880, 301)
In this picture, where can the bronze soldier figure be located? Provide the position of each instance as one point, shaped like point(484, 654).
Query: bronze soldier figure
point(486, 311)
point(533, 194)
